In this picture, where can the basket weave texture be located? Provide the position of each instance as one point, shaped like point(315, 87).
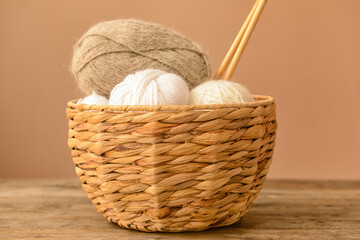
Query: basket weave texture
point(172, 168)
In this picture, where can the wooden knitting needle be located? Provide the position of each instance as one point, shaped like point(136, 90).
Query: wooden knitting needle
point(236, 43)
point(245, 39)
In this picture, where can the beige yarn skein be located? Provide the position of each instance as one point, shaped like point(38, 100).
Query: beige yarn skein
point(109, 51)
point(219, 92)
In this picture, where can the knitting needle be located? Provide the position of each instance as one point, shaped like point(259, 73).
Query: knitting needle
point(236, 43)
point(245, 40)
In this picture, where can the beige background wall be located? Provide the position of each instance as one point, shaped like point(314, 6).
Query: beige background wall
point(304, 53)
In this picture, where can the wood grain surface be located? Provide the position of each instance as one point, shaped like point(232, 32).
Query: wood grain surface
point(59, 209)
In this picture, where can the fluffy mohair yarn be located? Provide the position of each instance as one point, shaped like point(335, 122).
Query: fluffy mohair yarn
point(109, 51)
point(94, 99)
point(150, 87)
point(219, 92)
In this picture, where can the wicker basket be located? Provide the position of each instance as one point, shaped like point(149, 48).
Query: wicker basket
point(172, 168)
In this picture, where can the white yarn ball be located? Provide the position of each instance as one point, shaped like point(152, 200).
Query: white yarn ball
point(150, 87)
point(94, 99)
point(219, 92)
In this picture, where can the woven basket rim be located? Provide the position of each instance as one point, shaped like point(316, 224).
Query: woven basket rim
point(260, 100)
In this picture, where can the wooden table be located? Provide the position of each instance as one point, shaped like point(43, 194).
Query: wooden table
point(59, 209)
